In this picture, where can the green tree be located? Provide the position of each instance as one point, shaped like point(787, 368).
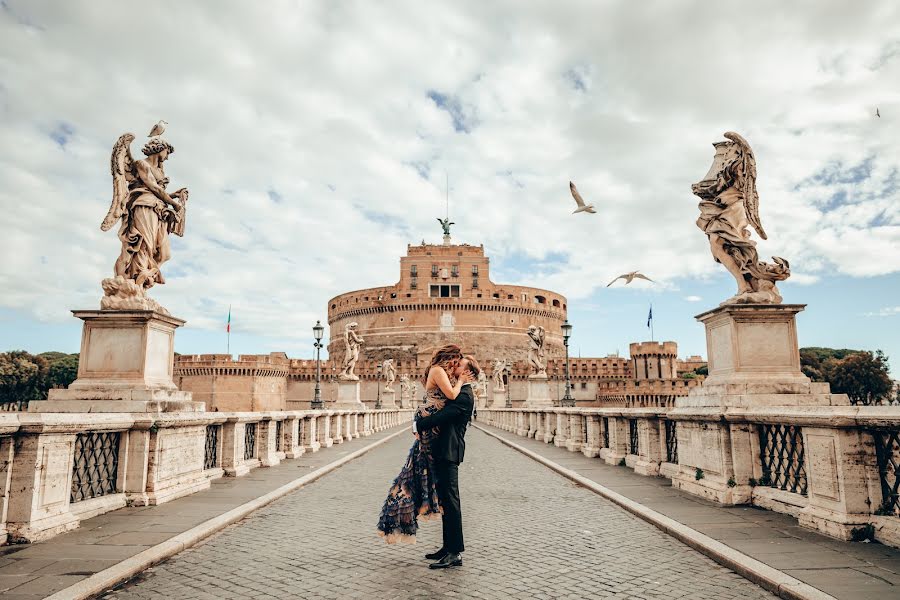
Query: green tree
point(817, 363)
point(863, 376)
point(22, 376)
point(62, 371)
point(704, 370)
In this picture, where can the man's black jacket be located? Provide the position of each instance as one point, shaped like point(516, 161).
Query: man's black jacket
point(452, 421)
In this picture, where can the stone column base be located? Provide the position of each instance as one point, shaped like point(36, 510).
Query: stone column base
point(348, 396)
point(538, 392)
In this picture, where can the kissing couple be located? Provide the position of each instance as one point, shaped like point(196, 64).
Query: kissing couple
point(428, 483)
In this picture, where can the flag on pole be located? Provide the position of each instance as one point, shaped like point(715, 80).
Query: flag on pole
point(228, 324)
point(650, 316)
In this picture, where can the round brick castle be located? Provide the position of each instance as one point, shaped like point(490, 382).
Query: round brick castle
point(445, 294)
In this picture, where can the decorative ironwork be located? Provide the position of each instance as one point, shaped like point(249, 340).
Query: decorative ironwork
point(887, 451)
point(606, 432)
point(278, 432)
point(96, 467)
point(584, 434)
point(14, 406)
point(781, 453)
point(633, 438)
point(211, 456)
point(249, 441)
point(671, 441)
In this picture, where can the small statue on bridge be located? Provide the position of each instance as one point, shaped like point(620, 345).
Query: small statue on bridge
point(497, 368)
point(536, 337)
point(729, 203)
point(352, 344)
point(390, 374)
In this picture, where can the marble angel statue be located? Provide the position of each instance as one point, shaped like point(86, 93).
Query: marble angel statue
point(352, 344)
point(729, 204)
point(536, 337)
point(147, 214)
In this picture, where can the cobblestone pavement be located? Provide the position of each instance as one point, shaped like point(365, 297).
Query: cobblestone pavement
point(529, 532)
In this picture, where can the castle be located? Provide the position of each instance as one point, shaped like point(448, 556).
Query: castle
point(444, 294)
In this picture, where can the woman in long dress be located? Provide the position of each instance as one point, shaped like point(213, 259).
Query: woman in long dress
point(413, 495)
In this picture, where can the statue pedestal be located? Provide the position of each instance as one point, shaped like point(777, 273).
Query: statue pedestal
point(388, 399)
point(754, 363)
point(348, 396)
point(538, 392)
point(754, 360)
point(125, 365)
point(498, 398)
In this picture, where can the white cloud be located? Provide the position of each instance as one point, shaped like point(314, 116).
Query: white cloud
point(887, 311)
point(327, 106)
point(693, 298)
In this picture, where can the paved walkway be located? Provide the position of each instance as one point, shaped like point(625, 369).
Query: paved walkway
point(35, 571)
point(530, 533)
point(848, 571)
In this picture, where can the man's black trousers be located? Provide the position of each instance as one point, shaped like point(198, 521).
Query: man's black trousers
point(448, 492)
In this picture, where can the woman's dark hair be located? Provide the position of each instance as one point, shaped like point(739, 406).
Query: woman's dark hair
point(443, 357)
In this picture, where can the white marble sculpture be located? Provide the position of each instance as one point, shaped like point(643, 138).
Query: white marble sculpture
point(352, 344)
point(729, 203)
point(536, 337)
point(497, 368)
point(390, 374)
point(146, 214)
point(405, 391)
point(482, 384)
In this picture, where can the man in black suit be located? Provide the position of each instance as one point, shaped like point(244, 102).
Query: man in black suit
point(449, 449)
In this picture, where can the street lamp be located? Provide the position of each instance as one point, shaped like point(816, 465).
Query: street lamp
point(508, 370)
point(567, 400)
point(318, 330)
point(378, 385)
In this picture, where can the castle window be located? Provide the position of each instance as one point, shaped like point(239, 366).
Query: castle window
point(524, 297)
point(393, 294)
point(583, 385)
point(444, 291)
point(434, 270)
point(414, 270)
point(556, 303)
point(454, 271)
point(497, 296)
point(540, 300)
point(509, 297)
point(475, 283)
point(474, 270)
point(413, 283)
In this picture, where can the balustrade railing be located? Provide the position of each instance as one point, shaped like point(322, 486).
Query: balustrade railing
point(671, 441)
point(96, 466)
point(211, 447)
point(887, 455)
point(605, 421)
point(634, 446)
point(249, 441)
point(279, 432)
point(781, 454)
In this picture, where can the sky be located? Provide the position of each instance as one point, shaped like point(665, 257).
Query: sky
point(316, 139)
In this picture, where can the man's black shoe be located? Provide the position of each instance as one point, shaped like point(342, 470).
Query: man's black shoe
point(436, 555)
point(450, 560)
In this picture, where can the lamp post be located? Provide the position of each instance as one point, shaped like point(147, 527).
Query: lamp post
point(508, 370)
point(378, 385)
point(318, 330)
point(567, 400)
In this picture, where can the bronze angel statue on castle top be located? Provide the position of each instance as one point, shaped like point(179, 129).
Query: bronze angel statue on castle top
point(729, 203)
point(147, 214)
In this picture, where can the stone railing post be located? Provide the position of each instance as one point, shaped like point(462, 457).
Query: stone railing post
point(267, 442)
point(549, 426)
point(562, 429)
point(521, 426)
point(651, 450)
point(618, 440)
point(310, 432)
point(337, 426)
point(591, 447)
point(324, 429)
point(293, 430)
point(233, 440)
point(576, 432)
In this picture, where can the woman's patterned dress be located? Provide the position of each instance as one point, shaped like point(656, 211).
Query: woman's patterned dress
point(413, 494)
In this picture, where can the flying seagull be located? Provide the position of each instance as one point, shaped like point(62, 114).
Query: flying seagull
point(877, 114)
point(629, 277)
point(158, 129)
point(582, 207)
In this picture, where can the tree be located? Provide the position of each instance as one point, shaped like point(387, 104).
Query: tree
point(704, 370)
point(863, 376)
point(22, 376)
point(62, 371)
point(817, 363)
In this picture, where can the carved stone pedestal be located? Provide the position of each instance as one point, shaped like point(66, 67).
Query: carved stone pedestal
point(498, 398)
point(126, 364)
point(389, 399)
point(538, 392)
point(348, 396)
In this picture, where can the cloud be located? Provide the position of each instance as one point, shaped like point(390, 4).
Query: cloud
point(887, 311)
point(693, 298)
point(315, 139)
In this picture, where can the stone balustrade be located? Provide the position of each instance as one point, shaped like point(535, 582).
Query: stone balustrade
point(59, 468)
point(835, 468)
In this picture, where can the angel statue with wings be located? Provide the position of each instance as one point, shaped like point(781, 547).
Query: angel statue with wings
point(445, 224)
point(729, 203)
point(147, 214)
